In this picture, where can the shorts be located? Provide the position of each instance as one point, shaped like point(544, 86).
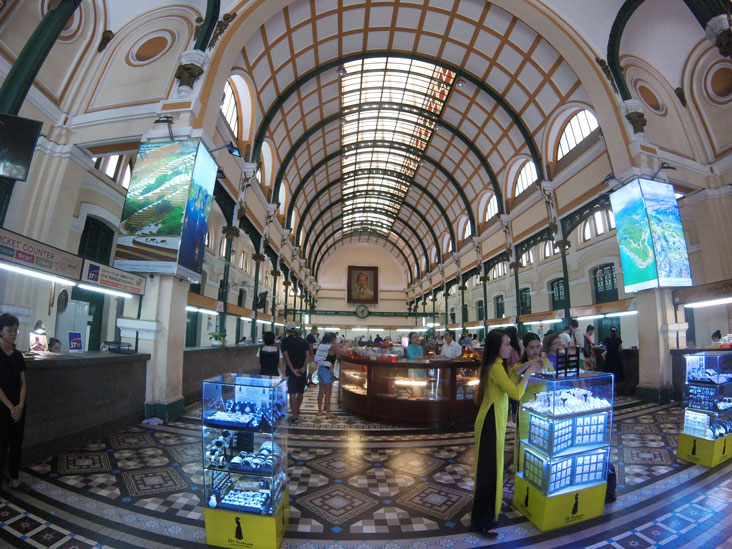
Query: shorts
point(296, 384)
point(324, 375)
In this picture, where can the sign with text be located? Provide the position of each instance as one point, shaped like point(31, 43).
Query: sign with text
point(26, 252)
point(75, 342)
point(109, 277)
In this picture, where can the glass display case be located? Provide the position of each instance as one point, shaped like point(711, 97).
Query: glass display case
point(565, 426)
point(412, 381)
point(353, 377)
point(707, 397)
point(244, 453)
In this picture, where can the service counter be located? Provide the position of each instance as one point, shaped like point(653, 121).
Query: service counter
point(201, 363)
point(421, 393)
point(73, 397)
point(631, 373)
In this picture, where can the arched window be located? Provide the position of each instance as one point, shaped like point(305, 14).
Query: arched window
point(525, 178)
point(126, 176)
point(606, 283)
point(447, 243)
point(222, 248)
point(600, 223)
point(492, 209)
point(577, 129)
point(558, 294)
point(433, 254)
point(499, 270)
point(424, 263)
point(480, 309)
point(549, 249)
point(468, 232)
point(499, 306)
point(210, 238)
point(452, 315)
point(525, 301)
point(527, 258)
point(242, 260)
point(228, 109)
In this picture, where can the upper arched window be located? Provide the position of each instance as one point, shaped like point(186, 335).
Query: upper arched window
point(499, 270)
point(526, 177)
point(424, 264)
point(468, 232)
point(433, 254)
point(242, 260)
point(222, 247)
point(447, 243)
point(527, 258)
point(577, 129)
point(209, 238)
point(228, 109)
point(548, 249)
point(492, 208)
point(599, 223)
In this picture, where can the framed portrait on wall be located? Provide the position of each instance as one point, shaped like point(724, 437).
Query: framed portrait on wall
point(363, 285)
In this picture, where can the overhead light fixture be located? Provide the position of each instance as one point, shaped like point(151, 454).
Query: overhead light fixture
point(39, 328)
point(36, 274)
point(709, 303)
point(343, 121)
point(229, 147)
point(621, 313)
point(460, 83)
point(166, 119)
point(342, 72)
point(590, 317)
point(107, 291)
point(548, 321)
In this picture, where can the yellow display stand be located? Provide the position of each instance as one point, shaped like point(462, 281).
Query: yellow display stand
point(226, 528)
point(559, 510)
point(708, 453)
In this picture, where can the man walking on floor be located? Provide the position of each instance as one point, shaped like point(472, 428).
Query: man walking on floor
point(296, 354)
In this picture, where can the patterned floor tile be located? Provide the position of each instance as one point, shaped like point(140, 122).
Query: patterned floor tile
point(144, 457)
point(381, 482)
point(133, 438)
point(183, 453)
point(414, 461)
point(48, 536)
point(303, 479)
point(101, 484)
point(391, 520)
point(458, 474)
point(80, 463)
point(339, 464)
point(305, 454)
point(184, 504)
point(153, 481)
point(75, 543)
point(435, 500)
point(337, 503)
point(300, 524)
point(24, 525)
point(647, 456)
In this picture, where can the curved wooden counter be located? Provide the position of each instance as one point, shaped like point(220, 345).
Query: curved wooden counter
point(420, 393)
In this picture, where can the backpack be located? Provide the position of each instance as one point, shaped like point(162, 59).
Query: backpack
point(587, 346)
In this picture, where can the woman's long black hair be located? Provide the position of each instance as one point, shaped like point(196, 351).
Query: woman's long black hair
point(491, 352)
point(512, 332)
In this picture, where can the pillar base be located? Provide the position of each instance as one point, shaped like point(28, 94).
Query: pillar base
point(166, 412)
point(658, 396)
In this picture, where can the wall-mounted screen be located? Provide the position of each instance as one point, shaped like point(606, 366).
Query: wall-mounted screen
point(650, 236)
point(18, 138)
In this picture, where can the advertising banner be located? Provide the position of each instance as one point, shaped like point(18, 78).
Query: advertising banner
point(170, 180)
point(75, 342)
point(26, 252)
point(109, 277)
point(650, 236)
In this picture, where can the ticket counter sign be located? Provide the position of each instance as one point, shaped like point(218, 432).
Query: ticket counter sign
point(103, 275)
point(26, 252)
point(75, 342)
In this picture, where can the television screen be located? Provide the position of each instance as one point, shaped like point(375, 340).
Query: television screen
point(650, 236)
point(18, 138)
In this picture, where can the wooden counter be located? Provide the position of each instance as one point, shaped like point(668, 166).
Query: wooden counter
point(379, 390)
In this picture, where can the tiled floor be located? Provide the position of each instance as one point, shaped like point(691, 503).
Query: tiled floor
point(358, 484)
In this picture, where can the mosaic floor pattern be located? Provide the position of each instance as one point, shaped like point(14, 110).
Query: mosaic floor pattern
point(359, 484)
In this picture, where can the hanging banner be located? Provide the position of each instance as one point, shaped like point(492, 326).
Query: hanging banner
point(165, 217)
point(26, 252)
point(109, 277)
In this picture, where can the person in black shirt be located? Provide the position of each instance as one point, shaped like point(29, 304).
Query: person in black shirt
point(296, 353)
point(270, 357)
point(12, 397)
point(378, 339)
point(312, 340)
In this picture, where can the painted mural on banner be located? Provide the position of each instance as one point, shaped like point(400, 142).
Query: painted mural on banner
point(26, 252)
point(171, 180)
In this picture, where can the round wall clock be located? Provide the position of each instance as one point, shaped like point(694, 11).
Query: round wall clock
point(362, 311)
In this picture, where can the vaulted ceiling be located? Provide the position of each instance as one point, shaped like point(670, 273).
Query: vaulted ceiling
point(391, 121)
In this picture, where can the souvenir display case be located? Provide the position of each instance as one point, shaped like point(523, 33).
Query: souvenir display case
point(244, 452)
point(707, 408)
point(565, 428)
point(424, 392)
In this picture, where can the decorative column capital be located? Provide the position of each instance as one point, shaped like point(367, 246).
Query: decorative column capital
point(191, 66)
point(718, 32)
point(230, 232)
point(258, 258)
point(633, 111)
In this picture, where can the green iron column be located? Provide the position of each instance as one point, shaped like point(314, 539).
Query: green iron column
point(446, 308)
point(258, 258)
point(286, 284)
point(484, 280)
point(462, 289)
point(275, 275)
point(563, 247)
point(515, 266)
point(26, 67)
point(209, 24)
point(230, 233)
point(434, 301)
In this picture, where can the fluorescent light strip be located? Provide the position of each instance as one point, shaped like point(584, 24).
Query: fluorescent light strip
point(35, 274)
point(415, 329)
point(473, 382)
point(191, 309)
point(710, 303)
point(410, 382)
point(359, 329)
point(207, 311)
point(548, 321)
point(332, 329)
point(590, 317)
point(101, 290)
point(621, 313)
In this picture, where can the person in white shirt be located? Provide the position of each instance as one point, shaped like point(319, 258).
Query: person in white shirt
point(450, 348)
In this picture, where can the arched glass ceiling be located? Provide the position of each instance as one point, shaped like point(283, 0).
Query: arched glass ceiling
point(378, 99)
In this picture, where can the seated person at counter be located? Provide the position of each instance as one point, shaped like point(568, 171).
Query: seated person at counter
point(717, 336)
point(451, 349)
point(414, 349)
point(54, 345)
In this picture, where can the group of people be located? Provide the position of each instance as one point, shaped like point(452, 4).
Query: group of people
point(292, 360)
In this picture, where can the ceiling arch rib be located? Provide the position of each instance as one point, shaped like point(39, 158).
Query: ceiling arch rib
point(309, 258)
point(459, 72)
point(406, 204)
point(397, 252)
point(412, 183)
